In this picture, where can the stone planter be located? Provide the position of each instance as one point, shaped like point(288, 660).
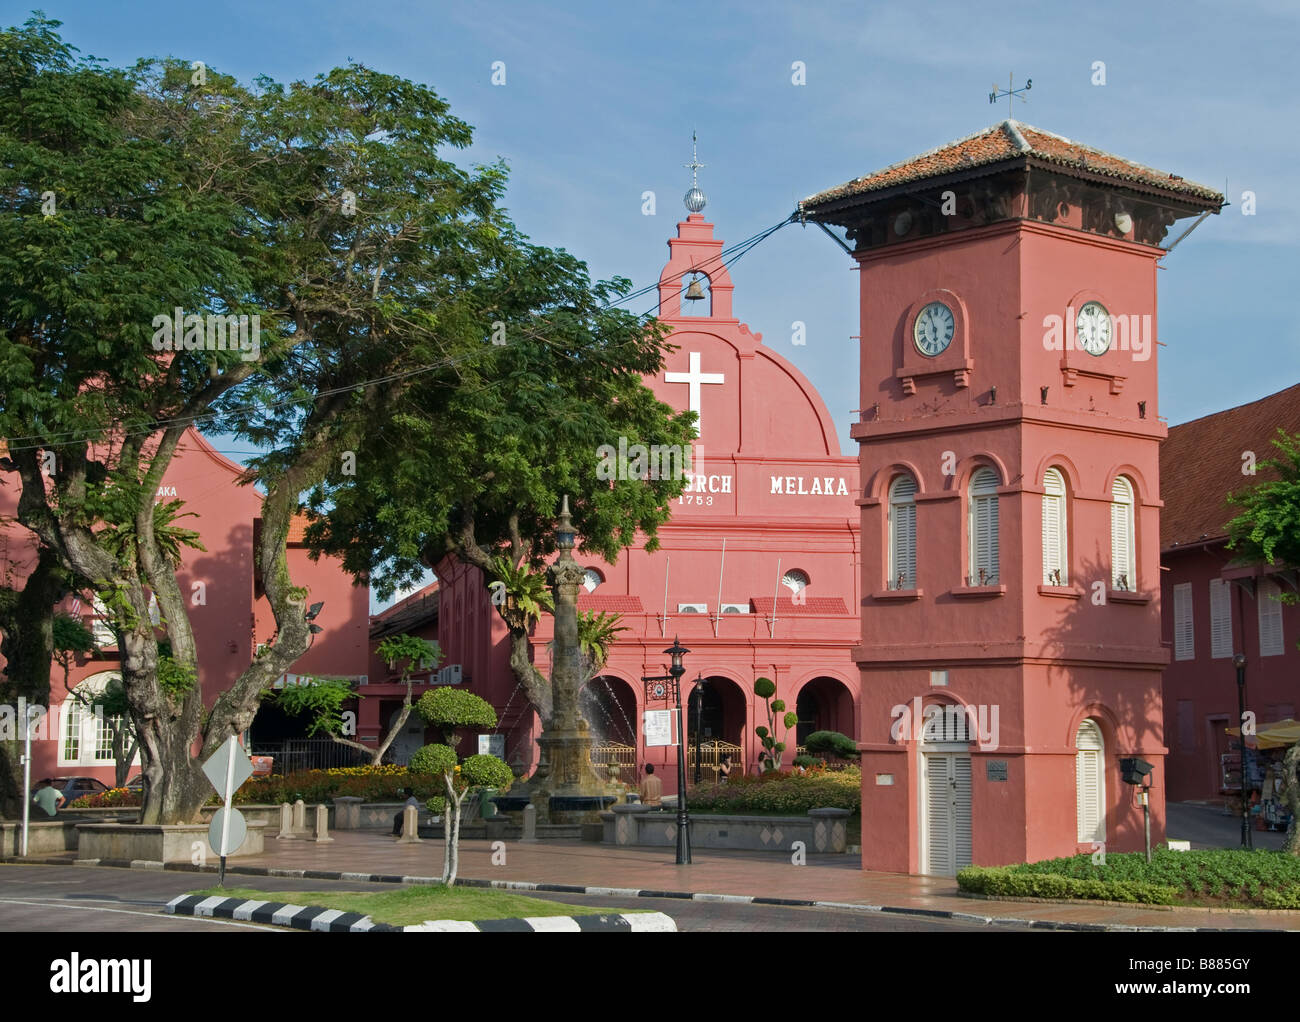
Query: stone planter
point(139, 842)
point(821, 831)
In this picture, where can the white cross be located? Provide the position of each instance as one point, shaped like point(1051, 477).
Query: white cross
point(694, 378)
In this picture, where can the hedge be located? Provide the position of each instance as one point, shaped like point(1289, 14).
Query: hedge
point(781, 792)
point(1009, 882)
point(1265, 878)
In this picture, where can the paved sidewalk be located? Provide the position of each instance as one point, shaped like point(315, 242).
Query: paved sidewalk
point(826, 878)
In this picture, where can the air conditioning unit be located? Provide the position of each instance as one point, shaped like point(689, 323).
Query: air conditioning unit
point(735, 608)
point(692, 608)
point(450, 675)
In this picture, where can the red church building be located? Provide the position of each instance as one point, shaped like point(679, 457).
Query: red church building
point(1010, 650)
point(228, 614)
point(756, 572)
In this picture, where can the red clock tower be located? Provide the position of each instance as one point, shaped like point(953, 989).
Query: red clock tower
point(1011, 653)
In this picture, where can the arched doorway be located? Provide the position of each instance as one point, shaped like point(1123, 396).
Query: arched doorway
point(406, 742)
point(608, 704)
point(715, 725)
point(825, 704)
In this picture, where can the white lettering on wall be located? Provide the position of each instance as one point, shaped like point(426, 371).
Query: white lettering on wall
point(829, 486)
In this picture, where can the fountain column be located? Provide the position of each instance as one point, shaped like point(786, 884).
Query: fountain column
point(566, 787)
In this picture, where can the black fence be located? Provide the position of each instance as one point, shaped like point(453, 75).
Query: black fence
point(293, 754)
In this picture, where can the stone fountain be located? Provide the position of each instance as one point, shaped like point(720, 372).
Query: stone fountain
point(566, 788)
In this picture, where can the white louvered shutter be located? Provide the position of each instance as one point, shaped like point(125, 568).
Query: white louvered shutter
point(902, 529)
point(1054, 550)
point(1184, 636)
point(1220, 619)
point(961, 811)
point(1121, 535)
point(939, 835)
point(1091, 783)
point(983, 527)
point(1270, 618)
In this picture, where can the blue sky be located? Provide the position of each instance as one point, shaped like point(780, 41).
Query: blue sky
point(600, 101)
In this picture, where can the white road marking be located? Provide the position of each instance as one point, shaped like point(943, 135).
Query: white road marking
point(129, 912)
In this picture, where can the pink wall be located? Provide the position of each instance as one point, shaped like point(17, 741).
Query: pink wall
point(1045, 659)
point(1201, 693)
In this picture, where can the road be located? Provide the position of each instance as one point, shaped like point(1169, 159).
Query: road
point(80, 899)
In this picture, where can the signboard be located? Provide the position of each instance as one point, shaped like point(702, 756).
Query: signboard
point(659, 727)
point(995, 770)
point(227, 769)
point(492, 745)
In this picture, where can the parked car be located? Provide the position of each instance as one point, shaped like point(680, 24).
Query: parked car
point(136, 783)
point(74, 787)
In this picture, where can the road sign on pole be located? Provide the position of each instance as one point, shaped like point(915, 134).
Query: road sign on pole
point(227, 769)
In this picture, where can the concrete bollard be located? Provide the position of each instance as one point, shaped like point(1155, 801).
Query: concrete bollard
point(286, 823)
point(410, 826)
point(347, 812)
point(530, 823)
point(321, 826)
point(299, 817)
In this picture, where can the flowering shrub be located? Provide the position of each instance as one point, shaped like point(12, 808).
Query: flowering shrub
point(111, 799)
point(791, 793)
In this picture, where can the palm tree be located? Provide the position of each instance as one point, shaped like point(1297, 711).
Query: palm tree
point(596, 633)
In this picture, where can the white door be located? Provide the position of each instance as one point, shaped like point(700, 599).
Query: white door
point(945, 826)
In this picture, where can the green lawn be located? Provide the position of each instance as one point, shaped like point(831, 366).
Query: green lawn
point(411, 905)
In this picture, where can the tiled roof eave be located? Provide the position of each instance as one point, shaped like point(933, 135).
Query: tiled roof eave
point(848, 200)
point(1194, 195)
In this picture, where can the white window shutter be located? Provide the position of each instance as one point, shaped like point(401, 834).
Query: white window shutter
point(902, 534)
point(982, 526)
point(1220, 619)
point(1184, 637)
point(1123, 575)
point(961, 805)
point(1090, 783)
point(939, 836)
point(1054, 550)
point(1270, 618)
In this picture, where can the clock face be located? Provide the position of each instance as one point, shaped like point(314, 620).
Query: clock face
point(1092, 328)
point(932, 332)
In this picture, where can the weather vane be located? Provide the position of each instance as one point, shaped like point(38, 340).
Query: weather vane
point(1011, 93)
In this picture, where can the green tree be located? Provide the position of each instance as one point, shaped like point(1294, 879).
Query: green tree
point(765, 689)
point(323, 207)
point(324, 698)
point(1268, 530)
point(597, 633)
point(831, 743)
point(449, 708)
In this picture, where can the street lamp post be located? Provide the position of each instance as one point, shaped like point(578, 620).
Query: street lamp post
point(674, 677)
point(1239, 662)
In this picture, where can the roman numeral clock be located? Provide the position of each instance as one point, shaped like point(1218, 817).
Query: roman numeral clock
point(934, 340)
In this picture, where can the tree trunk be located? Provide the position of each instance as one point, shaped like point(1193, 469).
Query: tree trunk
point(396, 729)
point(446, 828)
point(535, 685)
point(1290, 796)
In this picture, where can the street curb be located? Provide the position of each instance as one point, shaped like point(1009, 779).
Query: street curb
point(634, 892)
point(328, 920)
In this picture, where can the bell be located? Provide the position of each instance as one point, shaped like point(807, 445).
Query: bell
point(695, 293)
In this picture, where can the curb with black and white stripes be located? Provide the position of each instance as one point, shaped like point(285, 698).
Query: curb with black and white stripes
point(330, 920)
point(633, 892)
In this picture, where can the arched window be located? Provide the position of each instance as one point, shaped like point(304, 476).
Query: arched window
point(1056, 561)
point(1122, 572)
point(795, 580)
point(86, 737)
point(902, 534)
point(1090, 798)
point(591, 578)
point(982, 528)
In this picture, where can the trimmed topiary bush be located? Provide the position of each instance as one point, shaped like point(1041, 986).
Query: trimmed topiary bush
point(448, 708)
point(487, 772)
point(433, 759)
point(831, 743)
